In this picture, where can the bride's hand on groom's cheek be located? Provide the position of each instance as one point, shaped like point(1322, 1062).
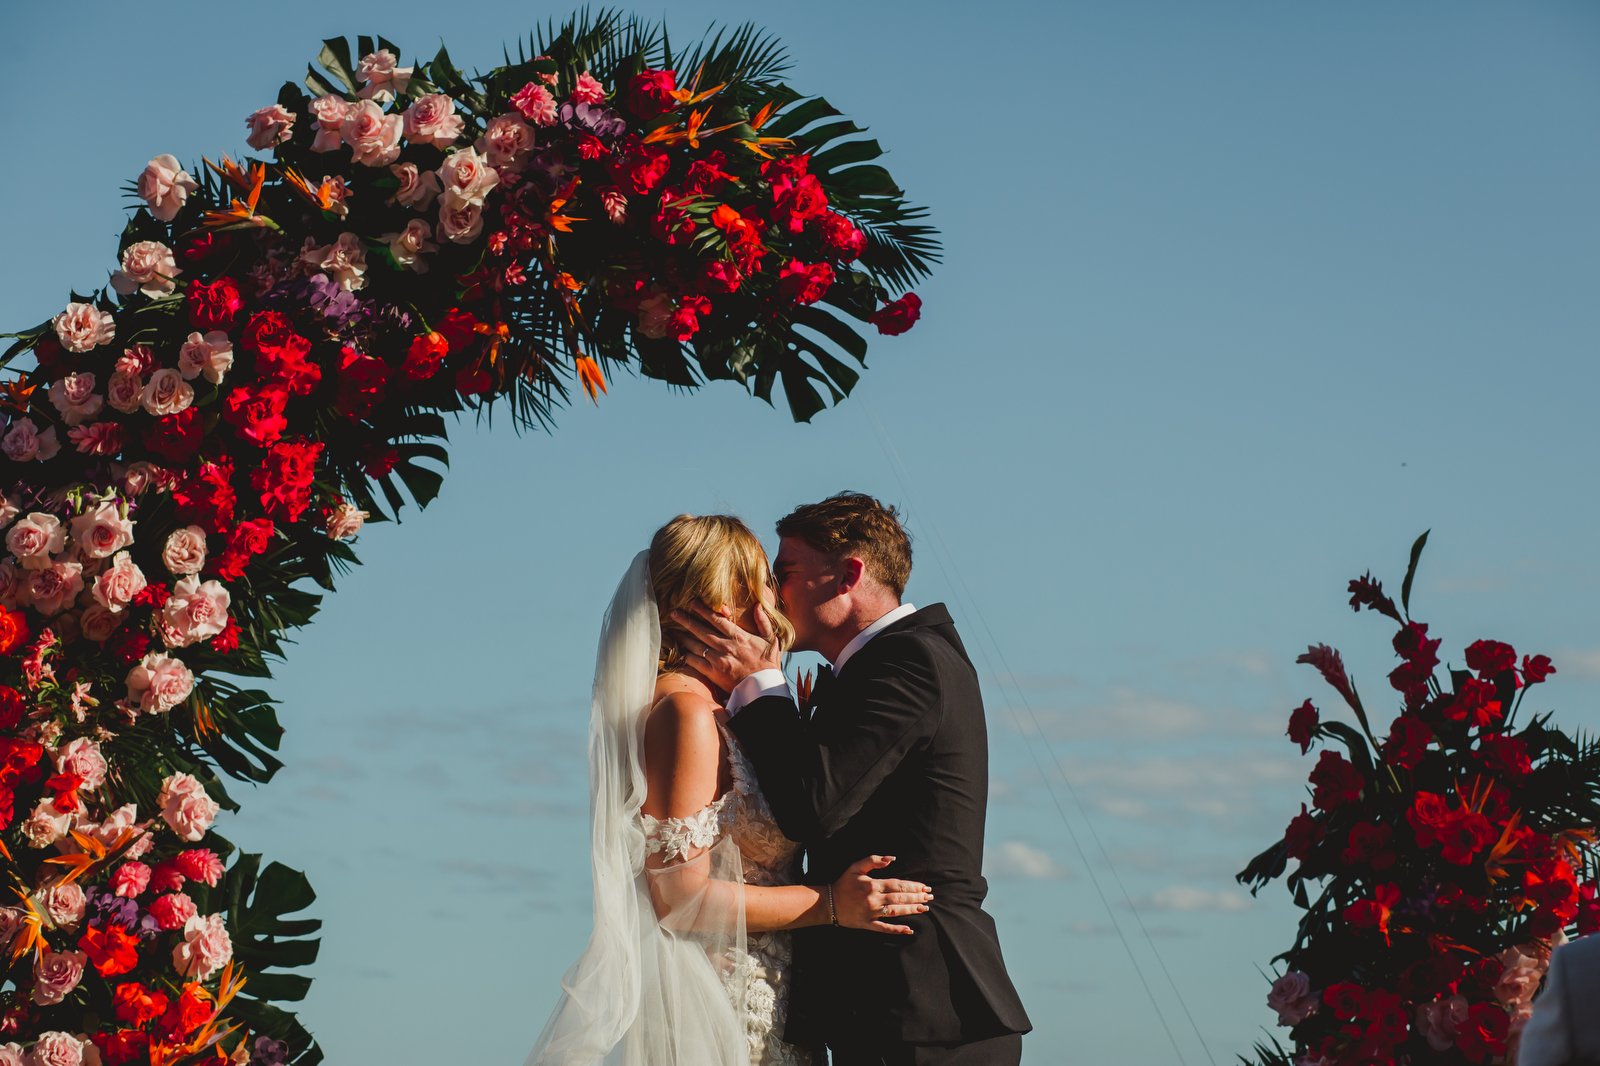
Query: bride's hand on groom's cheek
point(865, 902)
point(724, 651)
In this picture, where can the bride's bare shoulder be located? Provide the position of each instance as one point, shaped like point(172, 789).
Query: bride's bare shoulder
point(679, 695)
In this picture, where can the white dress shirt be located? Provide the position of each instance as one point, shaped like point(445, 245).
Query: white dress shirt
point(773, 683)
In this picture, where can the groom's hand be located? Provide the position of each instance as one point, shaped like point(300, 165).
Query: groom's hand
point(724, 652)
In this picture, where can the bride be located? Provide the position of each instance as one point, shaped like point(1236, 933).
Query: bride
point(694, 884)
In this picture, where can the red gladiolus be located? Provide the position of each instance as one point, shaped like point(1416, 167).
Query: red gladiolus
point(805, 283)
point(459, 329)
point(1464, 835)
point(1505, 755)
point(65, 788)
point(213, 305)
point(245, 541)
point(1490, 657)
point(1370, 845)
point(206, 498)
point(841, 237)
point(137, 1005)
point(1483, 1035)
point(1337, 782)
point(1407, 742)
point(125, 1047)
point(113, 949)
point(1411, 643)
point(799, 203)
point(363, 380)
point(686, 319)
point(1366, 591)
point(719, 275)
point(13, 630)
point(227, 642)
point(177, 437)
point(1536, 669)
point(192, 1010)
point(1475, 703)
point(127, 646)
point(284, 479)
point(893, 319)
point(378, 460)
point(707, 173)
point(1302, 834)
point(424, 356)
point(1303, 725)
point(1553, 886)
point(256, 412)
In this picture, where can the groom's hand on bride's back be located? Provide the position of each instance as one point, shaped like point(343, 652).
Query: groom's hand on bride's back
point(724, 652)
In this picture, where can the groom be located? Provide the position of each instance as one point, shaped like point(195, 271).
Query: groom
point(892, 759)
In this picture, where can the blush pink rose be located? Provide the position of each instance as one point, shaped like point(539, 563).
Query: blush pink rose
point(13, 1055)
point(330, 112)
point(460, 223)
point(157, 683)
point(345, 260)
point(84, 327)
point(12, 919)
point(35, 538)
point(432, 119)
point(185, 551)
point(535, 103)
point(116, 586)
point(411, 244)
point(374, 138)
point(655, 315)
point(82, 756)
point(103, 531)
point(24, 443)
point(210, 354)
point(166, 393)
point(205, 948)
point(588, 90)
point(55, 973)
point(63, 903)
point(467, 177)
point(1520, 978)
point(1438, 1021)
point(417, 189)
point(147, 267)
point(186, 808)
point(9, 509)
point(505, 141)
point(60, 1049)
point(46, 825)
point(385, 78)
point(197, 610)
point(125, 391)
point(346, 521)
point(52, 591)
point(172, 911)
point(165, 187)
point(98, 622)
point(74, 397)
point(269, 126)
point(1292, 998)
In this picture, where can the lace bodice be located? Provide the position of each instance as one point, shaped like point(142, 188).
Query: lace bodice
point(769, 858)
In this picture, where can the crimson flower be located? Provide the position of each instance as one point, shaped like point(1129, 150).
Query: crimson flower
point(1370, 845)
point(1407, 742)
point(1366, 591)
point(1464, 835)
point(1490, 657)
point(1344, 999)
point(1483, 1035)
point(1475, 703)
point(1536, 669)
point(112, 949)
point(1302, 834)
point(893, 319)
point(1337, 782)
point(1374, 913)
point(1303, 725)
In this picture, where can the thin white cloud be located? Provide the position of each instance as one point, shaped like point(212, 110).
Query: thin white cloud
point(1017, 858)
point(1191, 898)
point(1584, 664)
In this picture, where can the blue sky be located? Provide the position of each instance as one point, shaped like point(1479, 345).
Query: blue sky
point(1239, 298)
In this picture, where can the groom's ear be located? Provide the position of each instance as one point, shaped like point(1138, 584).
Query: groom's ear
point(851, 571)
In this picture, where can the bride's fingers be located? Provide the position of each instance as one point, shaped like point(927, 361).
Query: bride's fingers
point(885, 927)
point(907, 898)
point(894, 884)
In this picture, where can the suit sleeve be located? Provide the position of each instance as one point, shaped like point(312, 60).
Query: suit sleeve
point(1547, 1038)
point(816, 775)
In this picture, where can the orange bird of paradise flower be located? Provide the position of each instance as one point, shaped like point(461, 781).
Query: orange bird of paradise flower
point(320, 197)
point(242, 212)
point(17, 394)
point(591, 378)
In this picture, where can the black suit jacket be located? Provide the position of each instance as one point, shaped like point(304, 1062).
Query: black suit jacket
point(894, 761)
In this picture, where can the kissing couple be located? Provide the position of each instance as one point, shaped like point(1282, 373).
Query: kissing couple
point(775, 877)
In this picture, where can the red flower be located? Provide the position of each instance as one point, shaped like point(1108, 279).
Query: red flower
point(1303, 725)
point(176, 437)
point(245, 541)
point(1407, 742)
point(1536, 669)
point(841, 237)
point(1387, 1023)
point(203, 246)
point(1411, 643)
point(256, 412)
point(642, 167)
point(1483, 1035)
point(1505, 755)
point(1490, 657)
point(125, 1047)
point(1303, 834)
point(199, 864)
point(113, 949)
point(192, 1010)
point(706, 174)
point(799, 203)
point(1429, 815)
point(459, 329)
point(206, 497)
point(1337, 782)
point(895, 318)
point(288, 365)
point(13, 630)
point(1374, 913)
point(719, 275)
point(213, 305)
point(127, 646)
point(671, 224)
point(1366, 591)
point(1370, 845)
point(649, 93)
point(153, 595)
point(362, 383)
point(805, 283)
point(686, 319)
point(1551, 884)
point(1475, 703)
point(227, 642)
point(11, 707)
point(474, 379)
point(424, 355)
point(1588, 910)
point(378, 459)
point(1464, 835)
point(65, 787)
point(137, 1005)
point(1344, 999)
point(284, 479)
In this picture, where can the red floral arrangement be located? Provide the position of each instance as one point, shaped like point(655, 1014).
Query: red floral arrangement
point(1438, 866)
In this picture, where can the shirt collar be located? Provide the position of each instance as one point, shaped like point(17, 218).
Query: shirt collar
point(871, 631)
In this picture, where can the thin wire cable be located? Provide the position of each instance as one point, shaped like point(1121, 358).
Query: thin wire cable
point(954, 577)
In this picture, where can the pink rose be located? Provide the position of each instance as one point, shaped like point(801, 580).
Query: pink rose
point(52, 591)
point(12, 920)
point(125, 391)
point(63, 903)
point(117, 585)
point(147, 267)
point(59, 1049)
point(205, 948)
point(373, 136)
point(55, 973)
point(82, 756)
point(35, 538)
point(186, 808)
point(385, 78)
point(130, 879)
point(194, 612)
point(172, 911)
point(1292, 998)
point(210, 354)
point(84, 327)
point(467, 177)
point(185, 551)
point(655, 315)
point(13, 1055)
point(1520, 978)
point(1439, 1020)
point(11, 581)
point(165, 186)
point(23, 442)
point(46, 825)
point(536, 104)
point(166, 393)
point(460, 223)
point(346, 521)
point(269, 126)
point(330, 112)
point(417, 190)
point(345, 260)
point(98, 622)
point(74, 397)
point(156, 684)
point(431, 119)
point(110, 831)
point(411, 244)
point(142, 477)
point(9, 509)
point(588, 90)
point(103, 531)
point(506, 140)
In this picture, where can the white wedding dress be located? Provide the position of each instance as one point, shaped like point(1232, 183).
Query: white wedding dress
point(759, 975)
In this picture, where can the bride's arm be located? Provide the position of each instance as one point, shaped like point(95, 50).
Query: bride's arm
point(683, 754)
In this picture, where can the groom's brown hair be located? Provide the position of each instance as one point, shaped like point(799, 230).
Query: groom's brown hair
point(853, 523)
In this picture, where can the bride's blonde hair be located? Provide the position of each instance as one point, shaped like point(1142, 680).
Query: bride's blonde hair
point(716, 560)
